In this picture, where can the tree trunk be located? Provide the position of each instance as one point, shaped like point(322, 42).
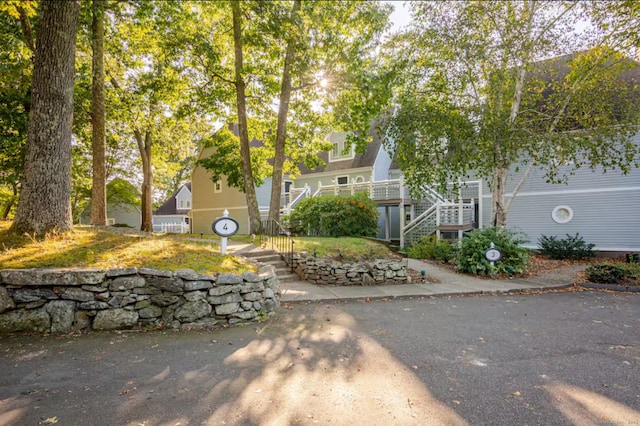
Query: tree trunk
point(99, 188)
point(281, 131)
point(498, 208)
point(144, 146)
point(45, 196)
point(249, 188)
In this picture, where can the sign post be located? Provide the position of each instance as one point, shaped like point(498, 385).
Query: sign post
point(225, 227)
point(492, 255)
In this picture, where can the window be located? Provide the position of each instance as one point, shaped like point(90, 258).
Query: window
point(182, 204)
point(341, 151)
point(342, 180)
point(217, 186)
point(359, 179)
point(562, 214)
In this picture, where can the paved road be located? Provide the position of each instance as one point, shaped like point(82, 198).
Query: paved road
point(563, 358)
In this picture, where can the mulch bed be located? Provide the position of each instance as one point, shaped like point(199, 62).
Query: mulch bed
point(540, 265)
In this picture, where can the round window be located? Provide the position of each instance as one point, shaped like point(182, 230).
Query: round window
point(562, 214)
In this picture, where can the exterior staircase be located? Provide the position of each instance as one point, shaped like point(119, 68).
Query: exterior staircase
point(271, 257)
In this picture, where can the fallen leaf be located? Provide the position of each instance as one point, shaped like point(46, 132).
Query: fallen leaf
point(50, 421)
point(126, 391)
point(455, 401)
point(516, 393)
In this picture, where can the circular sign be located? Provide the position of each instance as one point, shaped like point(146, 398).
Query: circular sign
point(225, 226)
point(493, 254)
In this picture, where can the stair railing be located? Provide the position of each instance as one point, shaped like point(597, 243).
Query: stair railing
point(302, 194)
point(272, 234)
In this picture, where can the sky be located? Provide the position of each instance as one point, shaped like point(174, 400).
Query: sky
point(400, 16)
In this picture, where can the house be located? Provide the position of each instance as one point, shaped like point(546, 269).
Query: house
point(174, 215)
point(211, 199)
point(123, 205)
point(602, 206)
point(344, 171)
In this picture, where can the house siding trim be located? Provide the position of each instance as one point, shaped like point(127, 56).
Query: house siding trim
point(219, 208)
point(311, 176)
point(571, 191)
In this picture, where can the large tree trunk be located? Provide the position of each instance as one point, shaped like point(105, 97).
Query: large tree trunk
point(144, 146)
point(498, 207)
point(99, 188)
point(45, 195)
point(281, 131)
point(249, 188)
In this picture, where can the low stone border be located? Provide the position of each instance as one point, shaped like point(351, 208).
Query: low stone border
point(61, 300)
point(331, 272)
point(613, 287)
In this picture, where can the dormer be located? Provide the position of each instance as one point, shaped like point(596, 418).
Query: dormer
point(183, 198)
point(341, 150)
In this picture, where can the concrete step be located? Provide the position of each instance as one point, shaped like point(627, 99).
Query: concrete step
point(276, 263)
point(270, 258)
point(259, 253)
point(288, 278)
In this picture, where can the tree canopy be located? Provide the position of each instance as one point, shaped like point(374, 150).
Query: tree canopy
point(494, 88)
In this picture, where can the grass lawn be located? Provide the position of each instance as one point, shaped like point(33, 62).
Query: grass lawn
point(348, 248)
point(93, 247)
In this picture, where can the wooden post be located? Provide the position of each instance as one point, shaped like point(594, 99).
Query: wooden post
point(480, 204)
point(387, 224)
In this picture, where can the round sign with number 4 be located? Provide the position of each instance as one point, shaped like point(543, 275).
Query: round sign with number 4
point(225, 226)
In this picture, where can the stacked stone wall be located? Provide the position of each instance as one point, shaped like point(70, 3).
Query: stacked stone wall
point(61, 300)
point(331, 272)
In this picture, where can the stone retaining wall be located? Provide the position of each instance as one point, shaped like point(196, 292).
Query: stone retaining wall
point(60, 300)
point(331, 272)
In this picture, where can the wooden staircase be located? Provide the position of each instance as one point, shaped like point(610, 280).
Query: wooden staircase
point(271, 257)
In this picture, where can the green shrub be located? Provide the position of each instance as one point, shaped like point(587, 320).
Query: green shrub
point(430, 248)
point(572, 247)
point(336, 216)
point(446, 251)
point(471, 256)
point(608, 273)
point(605, 273)
point(423, 249)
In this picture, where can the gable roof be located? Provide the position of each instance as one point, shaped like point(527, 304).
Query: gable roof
point(170, 207)
point(359, 160)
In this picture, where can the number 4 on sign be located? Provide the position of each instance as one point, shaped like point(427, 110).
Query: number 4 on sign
point(225, 226)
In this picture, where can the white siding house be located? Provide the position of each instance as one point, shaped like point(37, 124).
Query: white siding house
point(174, 215)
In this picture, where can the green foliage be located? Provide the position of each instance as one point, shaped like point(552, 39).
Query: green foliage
point(572, 247)
point(226, 160)
point(337, 216)
point(475, 96)
point(605, 273)
point(471, 257)
point(122, 193)
point(609, 273)
point(431, 248)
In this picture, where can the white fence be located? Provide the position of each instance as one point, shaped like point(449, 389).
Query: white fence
point(172, 228)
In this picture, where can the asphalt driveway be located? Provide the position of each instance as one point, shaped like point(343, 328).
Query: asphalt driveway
point(559, 358)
